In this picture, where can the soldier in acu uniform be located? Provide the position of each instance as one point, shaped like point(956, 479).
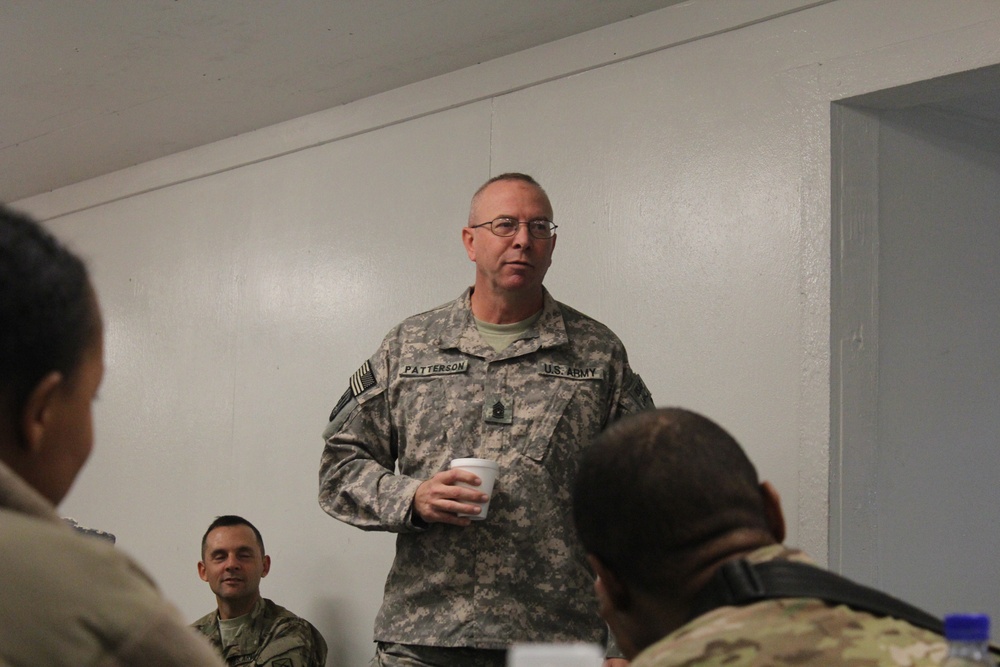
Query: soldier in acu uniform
point(671, 512)
point(505, 373)
point(248, 629)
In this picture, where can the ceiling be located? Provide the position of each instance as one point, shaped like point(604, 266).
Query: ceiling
point(93, 87)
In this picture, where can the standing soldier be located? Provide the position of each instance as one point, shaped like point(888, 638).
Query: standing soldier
point(504, 373)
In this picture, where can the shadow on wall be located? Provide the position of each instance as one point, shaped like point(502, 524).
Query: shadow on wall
point(329, 620)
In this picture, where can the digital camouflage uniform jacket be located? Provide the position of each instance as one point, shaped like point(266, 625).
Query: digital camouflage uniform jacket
point(435, 391)
point(274, 637)
point(793, 631)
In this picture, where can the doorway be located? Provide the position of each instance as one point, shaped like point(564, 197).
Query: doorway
point(915, 342)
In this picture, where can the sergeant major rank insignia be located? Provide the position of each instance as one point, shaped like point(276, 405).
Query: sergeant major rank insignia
point(498, 411)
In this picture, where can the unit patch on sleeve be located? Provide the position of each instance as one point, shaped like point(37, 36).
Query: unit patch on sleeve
point(637, 391)
point(344, 400)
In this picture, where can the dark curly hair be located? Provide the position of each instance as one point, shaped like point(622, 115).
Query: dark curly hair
point(48, 313)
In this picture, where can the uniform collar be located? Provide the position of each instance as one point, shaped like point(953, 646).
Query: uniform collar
point(254, 614)
point(16, 494)
point(459, 330)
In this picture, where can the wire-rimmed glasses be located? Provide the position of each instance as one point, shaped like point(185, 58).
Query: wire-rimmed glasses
point(506, 226)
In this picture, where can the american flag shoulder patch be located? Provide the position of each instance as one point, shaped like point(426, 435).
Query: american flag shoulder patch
point(363, 379)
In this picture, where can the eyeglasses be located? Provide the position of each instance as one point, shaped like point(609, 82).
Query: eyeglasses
point(503, 226)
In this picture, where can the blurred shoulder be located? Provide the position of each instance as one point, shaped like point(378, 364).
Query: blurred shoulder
point(795, 632)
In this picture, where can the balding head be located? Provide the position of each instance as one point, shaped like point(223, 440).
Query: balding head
point(509, 176)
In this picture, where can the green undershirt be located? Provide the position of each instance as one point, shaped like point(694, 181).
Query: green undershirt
point(228, 627)
point(499, 336)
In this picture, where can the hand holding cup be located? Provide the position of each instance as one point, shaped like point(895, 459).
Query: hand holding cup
point(451, 496)
point(487, 471)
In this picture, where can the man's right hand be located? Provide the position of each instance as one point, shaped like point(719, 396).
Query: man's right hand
point(438, 500)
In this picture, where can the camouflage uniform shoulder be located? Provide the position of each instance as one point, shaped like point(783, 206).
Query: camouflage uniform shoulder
point(441, 310)
point(589, 336)
point(273, 609)
point(431, 325)
point(423, 329)
point(578, 322)
point(207, 624)
point(779, 552)
point(276, 614)
point(795, 631)
point(436, 313)
point(288, 634)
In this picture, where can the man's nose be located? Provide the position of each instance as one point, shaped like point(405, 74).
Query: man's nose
point(522, 239)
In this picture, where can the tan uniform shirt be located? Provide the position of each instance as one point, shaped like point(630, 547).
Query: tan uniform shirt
point(435, 391)
point(68, 600)
point(796, 631)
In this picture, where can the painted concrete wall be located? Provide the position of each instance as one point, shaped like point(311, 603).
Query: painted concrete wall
point(687, 156)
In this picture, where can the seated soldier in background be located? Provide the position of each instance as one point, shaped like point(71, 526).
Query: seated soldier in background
point(672, 516)
point(65, 599)
point(246, 628)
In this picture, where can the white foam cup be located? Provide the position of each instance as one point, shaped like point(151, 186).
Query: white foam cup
point(555, 655)
point(487, 471)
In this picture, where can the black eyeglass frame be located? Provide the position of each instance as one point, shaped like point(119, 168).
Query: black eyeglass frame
point(549, 231)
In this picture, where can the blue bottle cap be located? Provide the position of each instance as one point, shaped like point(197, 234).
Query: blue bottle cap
point(967, 627)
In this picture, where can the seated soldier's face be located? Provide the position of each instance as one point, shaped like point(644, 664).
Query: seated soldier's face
point(233, 563)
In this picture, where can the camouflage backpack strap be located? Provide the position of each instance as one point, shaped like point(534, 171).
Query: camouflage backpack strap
point(739, 582)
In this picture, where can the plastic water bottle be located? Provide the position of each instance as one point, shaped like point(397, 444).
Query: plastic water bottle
point(968, 638)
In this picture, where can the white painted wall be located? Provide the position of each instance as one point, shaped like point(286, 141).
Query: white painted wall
point(687, 156)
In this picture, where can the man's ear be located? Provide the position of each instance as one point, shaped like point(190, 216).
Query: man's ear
point(202, 572)
point(38, 410)
point(772, 510)
point(267, 566)
point(467, 238)
point(609, 587)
